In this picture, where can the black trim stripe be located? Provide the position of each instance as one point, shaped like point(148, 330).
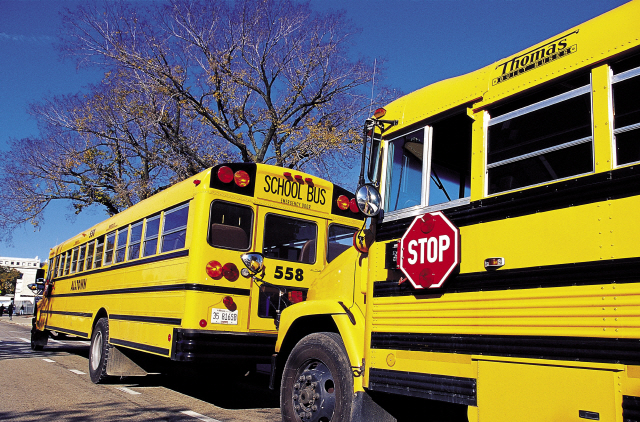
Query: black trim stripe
point(153, 320)
point(66, 331)
point(616, 184)
point(583, 349)
point(128, 264)
point(79, 314)
point(162, 288)
point(578, 274)
point(140, 346)
point(427, 386)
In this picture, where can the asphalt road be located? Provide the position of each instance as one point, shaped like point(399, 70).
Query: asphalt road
point(54, 385)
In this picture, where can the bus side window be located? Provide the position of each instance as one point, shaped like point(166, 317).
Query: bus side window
point(134, 240)
point(450, 177)
point(121, 244)
point(110, 242)
point(90, 250)
point(340, 239)
point(290, 239)
point(99, 251)
point(174, 228)
point(542, 138)
point(404, 172)
point(74, 260)
point(83, 250)
point(626, 91)
point(60, 265)
point(230, 226)
point(152, 228)
point(67, 262)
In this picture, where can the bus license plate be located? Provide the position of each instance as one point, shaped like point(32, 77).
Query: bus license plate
point(224, 316)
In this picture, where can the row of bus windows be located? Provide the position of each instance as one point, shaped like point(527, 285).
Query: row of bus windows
point(285, 238)
point(141, 239)
point(534, 139)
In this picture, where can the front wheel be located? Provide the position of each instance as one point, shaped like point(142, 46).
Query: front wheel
point(99, 351)
point(317, 382)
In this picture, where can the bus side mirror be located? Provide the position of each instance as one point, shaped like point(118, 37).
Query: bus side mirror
point(254, 262)
point(368, 200)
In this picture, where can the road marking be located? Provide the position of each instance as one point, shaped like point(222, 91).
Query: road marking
point(128, 390)
point(199, 416)
point(75, 371)
point(24, 339)
point(48, 360)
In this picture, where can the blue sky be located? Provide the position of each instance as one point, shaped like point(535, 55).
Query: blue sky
point(423, 41)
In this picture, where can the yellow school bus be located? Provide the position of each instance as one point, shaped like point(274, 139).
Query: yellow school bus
point(163, 276)
point(503, 275)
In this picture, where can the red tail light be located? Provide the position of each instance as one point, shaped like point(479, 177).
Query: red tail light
point(229, 303)
point(230, 271)
point(343, 202)
point(214, 270)
point(353, 205)
point(295, 296)
point(225, 174)
point(299, 178)
point(241, 178)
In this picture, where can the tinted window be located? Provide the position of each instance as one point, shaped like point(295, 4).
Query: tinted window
point(290, 239)
point(230, 226)
point(74, 260)
point(90, 250)
point(83, 250)
point(99, 251)
point(121, 240)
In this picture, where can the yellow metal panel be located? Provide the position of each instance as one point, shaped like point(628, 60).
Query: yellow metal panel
point(448, 364)
point(517, 392)
point(602, 118)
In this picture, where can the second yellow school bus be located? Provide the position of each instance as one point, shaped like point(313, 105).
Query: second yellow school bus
point(163, 276)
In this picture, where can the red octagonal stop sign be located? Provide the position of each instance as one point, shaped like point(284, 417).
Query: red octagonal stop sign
point(429, 250)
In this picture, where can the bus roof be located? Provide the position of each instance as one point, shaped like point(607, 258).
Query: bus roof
point(616, 31)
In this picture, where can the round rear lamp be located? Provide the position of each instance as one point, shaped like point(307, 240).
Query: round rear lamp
point(230, 271)
point(353, 205)
point(203, 323)
point(241, 178)
point(343, 202)
point(225, 174)
point(214, 270)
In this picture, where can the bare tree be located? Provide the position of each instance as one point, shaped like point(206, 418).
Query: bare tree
point(269, 77)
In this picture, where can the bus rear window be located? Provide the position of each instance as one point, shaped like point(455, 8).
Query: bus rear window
point(290, 239)
point(230, 226)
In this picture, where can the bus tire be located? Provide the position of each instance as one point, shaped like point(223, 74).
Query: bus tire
point(317, 381)
point(99, 351)
point(39, 339)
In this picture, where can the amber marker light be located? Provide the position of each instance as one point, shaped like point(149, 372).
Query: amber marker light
point(342, 202)
point(241, 178)
point(214, 270)
point(379, 113)
point(225, 174)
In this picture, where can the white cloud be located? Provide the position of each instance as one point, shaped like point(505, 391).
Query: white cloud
point(24, 38)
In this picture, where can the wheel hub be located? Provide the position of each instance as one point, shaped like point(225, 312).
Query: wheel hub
point(313, 393)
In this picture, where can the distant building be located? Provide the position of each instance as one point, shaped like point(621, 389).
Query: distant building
point(23, 295)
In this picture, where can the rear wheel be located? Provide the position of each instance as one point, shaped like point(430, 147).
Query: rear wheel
point(317, 382)
point(99, 351)
point(39, 339)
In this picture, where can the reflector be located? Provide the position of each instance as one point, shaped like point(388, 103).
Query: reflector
point(295, 296)
point(353, 206)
